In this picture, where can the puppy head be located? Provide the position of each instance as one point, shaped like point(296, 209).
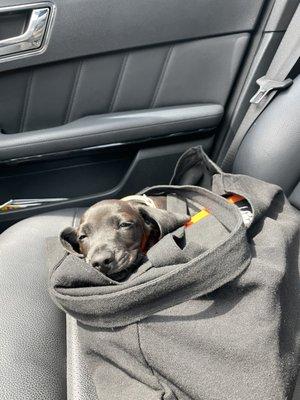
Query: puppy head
point(114, 235)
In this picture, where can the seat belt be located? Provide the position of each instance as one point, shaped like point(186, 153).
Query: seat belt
point(286, 56)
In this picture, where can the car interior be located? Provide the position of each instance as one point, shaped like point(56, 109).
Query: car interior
point(99, 99)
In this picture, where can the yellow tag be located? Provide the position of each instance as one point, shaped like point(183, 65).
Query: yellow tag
point(197, 217)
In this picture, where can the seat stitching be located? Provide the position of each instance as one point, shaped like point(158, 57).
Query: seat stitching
point(162, 77)
point(26, 102)
point(74, 92)
point(118, 84)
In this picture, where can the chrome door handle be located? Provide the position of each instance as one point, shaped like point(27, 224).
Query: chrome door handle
point(33, 36)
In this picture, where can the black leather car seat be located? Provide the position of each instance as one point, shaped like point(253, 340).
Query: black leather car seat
point(271, 149)
point(33, 334)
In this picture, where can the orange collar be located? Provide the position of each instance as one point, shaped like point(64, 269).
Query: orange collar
point(143, 245)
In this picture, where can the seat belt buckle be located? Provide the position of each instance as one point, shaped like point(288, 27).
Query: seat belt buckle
point(266, 86)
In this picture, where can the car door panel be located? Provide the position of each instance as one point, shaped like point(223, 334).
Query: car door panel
point(84, 180)
point(113, 128)
point(115, 81)
point(84, 28)
point(179, 74)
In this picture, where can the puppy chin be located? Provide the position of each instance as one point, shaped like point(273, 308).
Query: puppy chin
point(127, 263)
point(126, 260)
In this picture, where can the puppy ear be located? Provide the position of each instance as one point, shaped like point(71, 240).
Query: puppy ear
point(164, 220)
point(68, 239)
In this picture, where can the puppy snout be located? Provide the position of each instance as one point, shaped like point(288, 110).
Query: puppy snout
point(103, 261)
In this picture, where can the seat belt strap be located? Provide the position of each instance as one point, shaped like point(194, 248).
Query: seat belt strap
point(286, 56)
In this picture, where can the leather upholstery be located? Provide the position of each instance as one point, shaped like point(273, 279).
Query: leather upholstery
point(198, 71)
point(271, 149)
point(113, 25)
point(32, 335)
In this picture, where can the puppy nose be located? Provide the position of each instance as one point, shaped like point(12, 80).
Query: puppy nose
point(103, 261)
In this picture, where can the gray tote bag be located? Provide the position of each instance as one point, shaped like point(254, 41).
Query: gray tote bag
point(213, 314)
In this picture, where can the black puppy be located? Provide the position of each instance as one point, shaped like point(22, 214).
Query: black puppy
point(115, 235)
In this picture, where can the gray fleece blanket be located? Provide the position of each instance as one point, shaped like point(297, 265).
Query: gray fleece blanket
point(213, 314)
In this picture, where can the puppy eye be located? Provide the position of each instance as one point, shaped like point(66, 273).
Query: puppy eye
point(82, 237)
point(125, 224)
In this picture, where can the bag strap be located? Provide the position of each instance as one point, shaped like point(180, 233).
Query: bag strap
point(286, 56)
